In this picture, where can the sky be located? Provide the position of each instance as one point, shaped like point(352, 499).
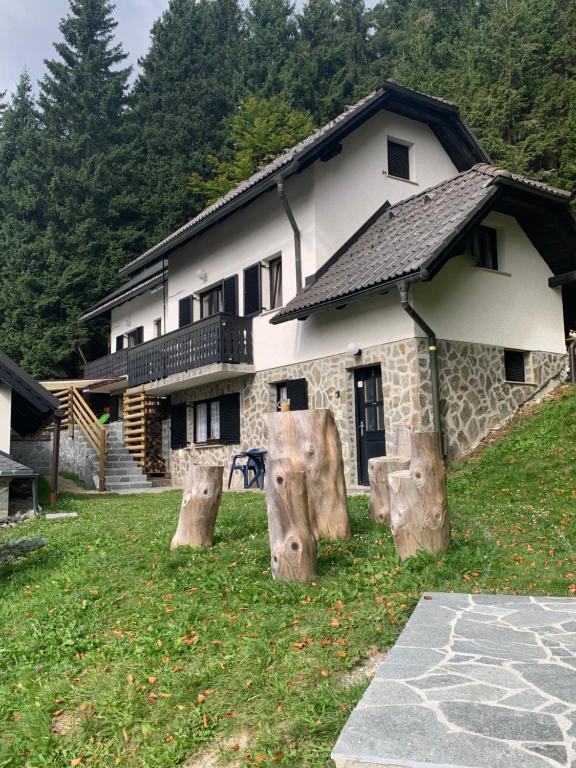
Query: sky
point(29, 27)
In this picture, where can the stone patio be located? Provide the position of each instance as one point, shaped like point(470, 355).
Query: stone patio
point(474, 681)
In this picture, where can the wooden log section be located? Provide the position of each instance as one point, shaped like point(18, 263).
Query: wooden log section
point(200, 503)
point(378, 471)
point(292, 542)
point(418, 503)
point(311, 441)
point(401, 440)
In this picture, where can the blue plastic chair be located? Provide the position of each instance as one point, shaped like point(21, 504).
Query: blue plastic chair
point(247, 462)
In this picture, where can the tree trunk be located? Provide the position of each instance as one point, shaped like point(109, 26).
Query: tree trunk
point(402, 440)
point(311, 441)
point(378, 471)
point(418, 502)
point(292, 542)
point(200, 502)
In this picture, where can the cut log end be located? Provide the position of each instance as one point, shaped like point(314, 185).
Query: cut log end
point(200, 504)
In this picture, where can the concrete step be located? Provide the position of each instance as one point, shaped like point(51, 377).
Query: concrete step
point(122, 464)
point(126, 479)
point(125, 472)
point(141, 485)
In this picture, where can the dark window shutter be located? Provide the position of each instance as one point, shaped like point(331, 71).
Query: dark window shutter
point(139, 335)
point(252, 293)
point(297, 391)
point(178, 427)
point(119, 343)
point(231, 295)
point(398, 160)
point(185, 311)
point(230, 418)
point(514, 365)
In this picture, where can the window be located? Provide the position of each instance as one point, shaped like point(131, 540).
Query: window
point(275, 276)
point(217, 419)
point(135, 337)
point(515, 365)
point(119, 343)
point(294, 390)
point(157, 328)
point(212, 301)
point(398, 160)
point(485, 248)
point(185, 311)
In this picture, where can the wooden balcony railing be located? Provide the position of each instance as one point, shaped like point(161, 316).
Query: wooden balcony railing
point(221, 338)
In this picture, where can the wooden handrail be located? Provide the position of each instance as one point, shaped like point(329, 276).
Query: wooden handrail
point(79, 413)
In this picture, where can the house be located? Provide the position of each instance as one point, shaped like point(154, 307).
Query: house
point(25, 407)
point(382, 268)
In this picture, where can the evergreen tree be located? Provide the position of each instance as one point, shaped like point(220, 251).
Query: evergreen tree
point(260, 131)
point(271, 38)
point(190, 83)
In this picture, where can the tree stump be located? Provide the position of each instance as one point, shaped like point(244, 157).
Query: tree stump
point(311, 441)
point(401, 440)
point(292, 542)
point(200, 503)
point(418, 504)
point(378, 471)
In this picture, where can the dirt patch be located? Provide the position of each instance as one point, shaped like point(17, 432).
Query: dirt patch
point(220, 753)
point(64, 723)
point(365, 670)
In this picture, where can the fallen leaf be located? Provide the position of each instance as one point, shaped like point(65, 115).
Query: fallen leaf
point(130, 679)
point(200, 698)
point(324, 673)
point(125, 735)
point(76, 761)
point(152, 679)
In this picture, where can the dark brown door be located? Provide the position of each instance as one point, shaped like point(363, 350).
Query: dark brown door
point(370, 436)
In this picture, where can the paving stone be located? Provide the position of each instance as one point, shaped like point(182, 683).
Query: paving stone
point(499, 692)
point(61, 515)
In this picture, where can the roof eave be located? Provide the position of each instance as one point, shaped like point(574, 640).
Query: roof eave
point(339, 301)
point(104, 307)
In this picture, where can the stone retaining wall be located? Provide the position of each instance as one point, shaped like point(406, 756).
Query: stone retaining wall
point(78, 456)
point(35, 453)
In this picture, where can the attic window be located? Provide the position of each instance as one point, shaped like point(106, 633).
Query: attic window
point(515, 365)
point(485, 248)
point(398, 160)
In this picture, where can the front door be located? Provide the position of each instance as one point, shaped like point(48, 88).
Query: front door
point(370, 437)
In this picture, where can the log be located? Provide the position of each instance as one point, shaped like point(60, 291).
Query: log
point(200, 502)
point(292, 542)
point(419, 517)
point(401, 440)
point(378, 471)
point(311, 441)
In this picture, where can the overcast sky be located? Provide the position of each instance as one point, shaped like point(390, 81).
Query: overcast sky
point(29, 27)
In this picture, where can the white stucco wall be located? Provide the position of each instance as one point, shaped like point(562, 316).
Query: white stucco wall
point(5, 416)
point(513, 308)
point(330, 201)
point(142, 310)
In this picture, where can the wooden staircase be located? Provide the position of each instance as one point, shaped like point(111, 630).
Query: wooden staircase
point(78, 413)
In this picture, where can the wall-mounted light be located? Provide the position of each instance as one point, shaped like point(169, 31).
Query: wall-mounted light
point(201, 275)
point(353, 349)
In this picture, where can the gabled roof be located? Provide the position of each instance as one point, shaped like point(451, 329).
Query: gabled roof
point(146, 280)
point(412, 239)
point(32, 405)
point(442, 116)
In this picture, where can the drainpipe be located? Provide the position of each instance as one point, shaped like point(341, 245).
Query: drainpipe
point(297, 240)
point(432, 350)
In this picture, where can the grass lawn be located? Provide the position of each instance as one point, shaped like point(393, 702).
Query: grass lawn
point(141, 657)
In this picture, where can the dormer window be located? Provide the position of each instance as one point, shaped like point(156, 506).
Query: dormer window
point(485, 248)
point(398, 160)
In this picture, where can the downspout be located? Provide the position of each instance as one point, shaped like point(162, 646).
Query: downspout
point(432, 351)
point(297, 239)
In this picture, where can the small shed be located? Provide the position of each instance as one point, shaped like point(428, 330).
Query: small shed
point(25, 408)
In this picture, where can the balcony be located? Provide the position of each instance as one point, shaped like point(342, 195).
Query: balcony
point(222, 338)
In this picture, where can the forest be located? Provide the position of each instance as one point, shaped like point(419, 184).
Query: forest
point(98, 163)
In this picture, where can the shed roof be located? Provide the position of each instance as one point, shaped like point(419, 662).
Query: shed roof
point(442, 116)
point(11, 468)
point(409, 240)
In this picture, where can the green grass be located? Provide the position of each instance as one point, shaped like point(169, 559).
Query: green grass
point(150, 657)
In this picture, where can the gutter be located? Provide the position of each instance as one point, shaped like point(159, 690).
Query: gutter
point(297, 237)
point(433, 352)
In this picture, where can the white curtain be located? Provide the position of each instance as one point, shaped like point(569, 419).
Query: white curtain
point(201, 422)
point(215, 420)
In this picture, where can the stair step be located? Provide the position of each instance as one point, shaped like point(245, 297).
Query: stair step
point(128, 486)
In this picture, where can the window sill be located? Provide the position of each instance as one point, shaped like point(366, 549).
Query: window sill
point(204, 446)
point(399, 178)
point(520, 383)
point(265, 312)
point(492, 271)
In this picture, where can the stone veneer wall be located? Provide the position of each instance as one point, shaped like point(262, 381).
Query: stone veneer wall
point(78, 456)
point(474, 397)
point(35, 453)
point(330, 385)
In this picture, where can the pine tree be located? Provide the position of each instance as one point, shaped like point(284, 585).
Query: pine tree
point(271, 38)
point(189, 85)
